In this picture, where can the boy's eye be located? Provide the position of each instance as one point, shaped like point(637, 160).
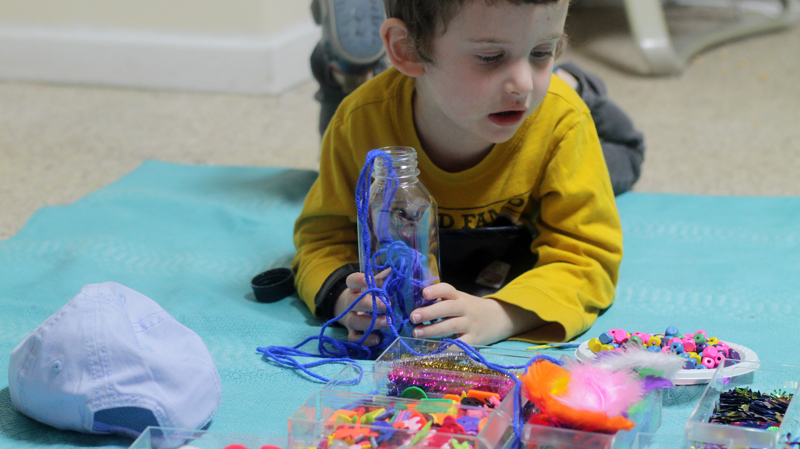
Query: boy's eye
point(541, 55)
point(489, 59)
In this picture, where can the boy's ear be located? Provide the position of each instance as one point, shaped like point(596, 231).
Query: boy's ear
point(399, 48)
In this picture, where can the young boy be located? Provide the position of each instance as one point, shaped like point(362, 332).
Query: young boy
point(497, 135)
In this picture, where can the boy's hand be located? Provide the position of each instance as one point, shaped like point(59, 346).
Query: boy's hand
point(357, 320)
point(475, 320)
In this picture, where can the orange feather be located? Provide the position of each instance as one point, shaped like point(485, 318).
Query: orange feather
point(544, 382)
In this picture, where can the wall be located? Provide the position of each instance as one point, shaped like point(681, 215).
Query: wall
point(243, 46)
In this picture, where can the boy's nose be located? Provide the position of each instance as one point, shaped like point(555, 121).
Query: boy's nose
point(520, 79)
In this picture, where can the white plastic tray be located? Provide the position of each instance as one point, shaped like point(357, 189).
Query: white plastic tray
point(687, 376)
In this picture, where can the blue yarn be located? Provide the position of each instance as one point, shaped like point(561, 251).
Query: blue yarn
point(399, 258)
point(406, 268)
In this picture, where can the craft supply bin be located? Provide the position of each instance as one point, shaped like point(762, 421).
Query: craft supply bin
point(401, 349)
point(647, 418)
point(655, 441)
point(312, 421)
point(761, 376)
point(172, 438)
point(391, 380)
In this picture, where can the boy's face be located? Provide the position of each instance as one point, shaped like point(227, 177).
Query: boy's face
point(492, 70)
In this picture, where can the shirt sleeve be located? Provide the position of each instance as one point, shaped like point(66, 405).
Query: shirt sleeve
point(325, 232)
point(579, 244)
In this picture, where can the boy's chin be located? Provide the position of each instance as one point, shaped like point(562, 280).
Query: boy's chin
point(501, 136)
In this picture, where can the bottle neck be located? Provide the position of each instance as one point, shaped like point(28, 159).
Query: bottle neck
point(404, 164)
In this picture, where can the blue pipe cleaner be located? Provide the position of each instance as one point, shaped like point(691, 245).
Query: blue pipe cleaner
point(404, 262)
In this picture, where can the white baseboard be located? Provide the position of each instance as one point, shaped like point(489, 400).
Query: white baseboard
point(140, 59)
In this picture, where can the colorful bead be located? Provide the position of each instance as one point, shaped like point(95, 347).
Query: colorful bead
point(694, 346)
point(699, 338)
point(620, 336)
point(413, 393)
point(710, 351)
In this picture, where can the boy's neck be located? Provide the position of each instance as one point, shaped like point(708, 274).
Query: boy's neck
point(451, 153)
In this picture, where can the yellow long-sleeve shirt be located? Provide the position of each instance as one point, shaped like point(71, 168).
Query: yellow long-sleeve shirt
point(550, 173)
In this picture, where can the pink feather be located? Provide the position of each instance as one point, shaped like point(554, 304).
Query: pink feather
point(596, 389)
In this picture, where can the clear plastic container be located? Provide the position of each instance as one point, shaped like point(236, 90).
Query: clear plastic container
point(403, 367)
point(403, 233)
point(402, 351)
point(383, 380)
point(317, 420)
point(647, 419)
point(172, 438)
point(655, 441)
point(760, 376)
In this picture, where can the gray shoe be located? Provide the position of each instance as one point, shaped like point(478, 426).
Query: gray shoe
point(351, 33)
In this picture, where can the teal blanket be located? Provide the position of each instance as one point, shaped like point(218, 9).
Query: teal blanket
point(191, 238)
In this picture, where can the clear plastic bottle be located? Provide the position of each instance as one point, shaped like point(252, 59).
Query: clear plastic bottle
point(403, 232)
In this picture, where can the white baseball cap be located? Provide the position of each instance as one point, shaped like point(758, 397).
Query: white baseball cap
point(112, 361)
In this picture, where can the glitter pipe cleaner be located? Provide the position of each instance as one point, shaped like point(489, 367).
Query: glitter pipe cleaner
point(442, 382)
point(447, 361)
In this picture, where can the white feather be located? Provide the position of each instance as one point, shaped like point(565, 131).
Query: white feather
point(665, 364)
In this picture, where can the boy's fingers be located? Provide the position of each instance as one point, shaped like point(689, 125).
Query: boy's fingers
point(361, 321)
point(365, 305)
point(355, 281)
point(380, 277)
point(435, 311)
point(441, 290)
point(355, 335)
point(444, 328)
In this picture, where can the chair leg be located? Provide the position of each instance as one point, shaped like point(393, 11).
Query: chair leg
point(666, 56)
point(649, 28)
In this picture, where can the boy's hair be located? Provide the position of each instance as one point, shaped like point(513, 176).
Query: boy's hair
point(425, 18)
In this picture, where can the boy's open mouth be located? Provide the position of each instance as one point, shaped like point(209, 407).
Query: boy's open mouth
point(506, 118)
